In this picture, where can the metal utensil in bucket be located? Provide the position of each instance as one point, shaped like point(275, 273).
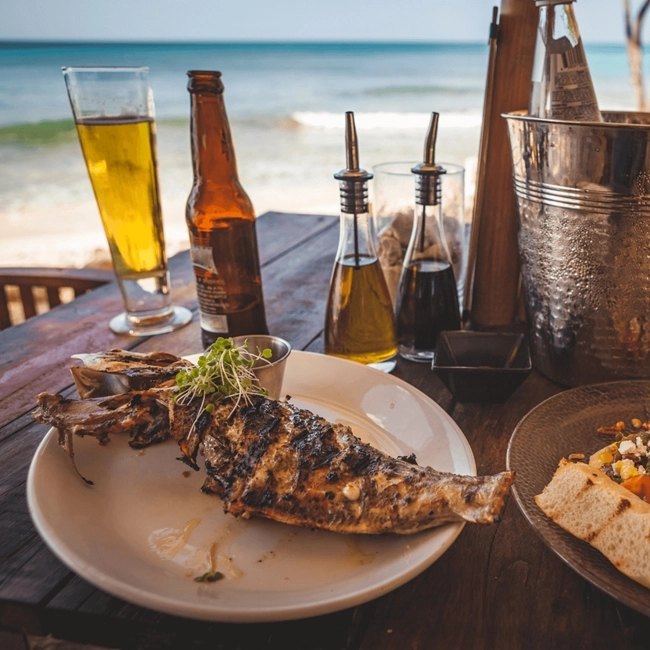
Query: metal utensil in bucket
point(583, 191)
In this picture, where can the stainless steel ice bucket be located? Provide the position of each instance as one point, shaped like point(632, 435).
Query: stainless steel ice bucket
point(583, 191)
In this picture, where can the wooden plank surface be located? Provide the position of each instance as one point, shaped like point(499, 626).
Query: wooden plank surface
point(499, 586)
point(496, 587)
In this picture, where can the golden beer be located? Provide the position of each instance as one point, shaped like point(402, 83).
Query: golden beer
point(114, 113)
point(121, 159)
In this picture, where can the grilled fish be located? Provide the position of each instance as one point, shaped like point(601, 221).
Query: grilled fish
point(271, 459)
point(144, 415)
point(114, 373)
point(120, 371)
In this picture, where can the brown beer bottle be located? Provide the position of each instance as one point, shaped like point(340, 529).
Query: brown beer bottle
point(221, 221)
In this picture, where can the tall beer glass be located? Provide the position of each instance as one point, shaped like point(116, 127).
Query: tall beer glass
point(114, 115)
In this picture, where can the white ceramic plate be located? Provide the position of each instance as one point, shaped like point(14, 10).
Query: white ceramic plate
point(144, 530)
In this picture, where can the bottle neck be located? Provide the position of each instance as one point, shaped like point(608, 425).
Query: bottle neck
point(427, 236)
point(558, 28)
point(356, 240)
point(561, 84)
point(213, 154)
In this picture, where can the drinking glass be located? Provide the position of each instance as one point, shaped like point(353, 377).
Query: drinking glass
point(393, 200)
point(114, 114)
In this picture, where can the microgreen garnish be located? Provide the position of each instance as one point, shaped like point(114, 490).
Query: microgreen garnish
point(225, 370)
point(210, 576)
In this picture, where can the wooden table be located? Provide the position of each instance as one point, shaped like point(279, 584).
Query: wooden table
point(497, 586)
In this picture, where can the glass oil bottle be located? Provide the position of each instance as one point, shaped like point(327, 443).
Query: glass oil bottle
point(427, 300)
point(359, 324)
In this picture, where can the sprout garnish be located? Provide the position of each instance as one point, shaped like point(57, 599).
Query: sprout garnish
point(225, 370)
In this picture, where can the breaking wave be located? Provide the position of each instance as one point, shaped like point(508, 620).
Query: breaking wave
point(385, 121)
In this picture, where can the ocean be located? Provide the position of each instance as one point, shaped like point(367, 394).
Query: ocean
point(286, 105)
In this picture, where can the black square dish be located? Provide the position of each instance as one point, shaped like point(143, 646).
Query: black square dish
point(482, 366)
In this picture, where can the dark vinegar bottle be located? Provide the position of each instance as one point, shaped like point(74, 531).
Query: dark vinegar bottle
point(221, 222)
point(427, 301)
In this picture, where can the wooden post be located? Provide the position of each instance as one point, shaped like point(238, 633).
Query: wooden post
point(496, 273)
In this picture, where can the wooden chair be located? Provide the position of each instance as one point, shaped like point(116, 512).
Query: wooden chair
point(77, 281)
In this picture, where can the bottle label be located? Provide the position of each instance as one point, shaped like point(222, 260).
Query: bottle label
point(572, 92)
point(228, 282)
point(210, 289)
point(215, 323)
point(203, 258)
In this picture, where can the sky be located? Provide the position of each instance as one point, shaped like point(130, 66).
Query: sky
point(601, 21)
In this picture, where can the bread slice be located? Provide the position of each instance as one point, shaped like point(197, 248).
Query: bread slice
point(588, 504)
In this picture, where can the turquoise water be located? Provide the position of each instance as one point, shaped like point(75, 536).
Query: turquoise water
point(270, 81)
point(263, 81)
point(285, 103)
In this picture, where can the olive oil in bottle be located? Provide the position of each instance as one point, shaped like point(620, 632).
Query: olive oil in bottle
point(360, 313)
point(359, 324)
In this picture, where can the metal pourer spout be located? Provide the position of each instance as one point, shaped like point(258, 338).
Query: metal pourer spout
point(428, 189)
point(353, 181)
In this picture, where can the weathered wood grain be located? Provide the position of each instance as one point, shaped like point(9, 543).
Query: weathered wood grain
point(323, 633)
point(280, 233)
point(512, 591)
point(17, 452)
point(16, 529)
point(31, 574)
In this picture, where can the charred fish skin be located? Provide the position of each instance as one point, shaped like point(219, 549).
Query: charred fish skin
point(120, 371)
point(117, 360)
point(274, 460)
point(143, 415)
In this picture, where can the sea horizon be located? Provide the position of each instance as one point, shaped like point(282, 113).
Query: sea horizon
point(296, 41)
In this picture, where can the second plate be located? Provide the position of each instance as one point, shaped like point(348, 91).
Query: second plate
point(564, 424)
